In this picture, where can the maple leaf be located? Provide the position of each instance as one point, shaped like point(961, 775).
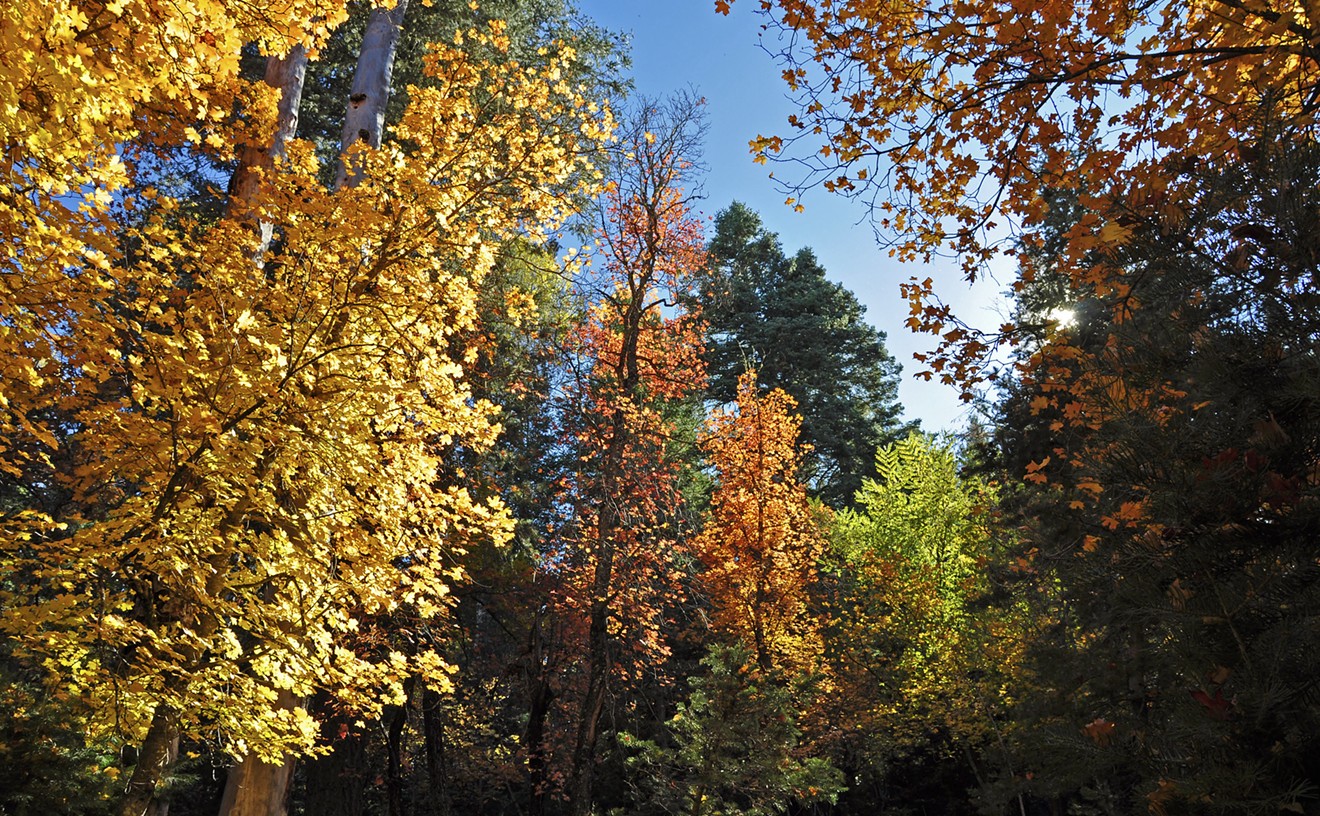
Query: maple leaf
point(1215, 706)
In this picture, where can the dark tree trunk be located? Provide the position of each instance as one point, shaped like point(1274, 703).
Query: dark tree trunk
point(396, 719)
point(540, 695)
point(154, 760)
point(599, 660)
point(437, 754)
point(593, 704)
point(336, 782)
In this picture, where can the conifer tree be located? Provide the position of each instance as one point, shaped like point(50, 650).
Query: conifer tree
point(806, 335)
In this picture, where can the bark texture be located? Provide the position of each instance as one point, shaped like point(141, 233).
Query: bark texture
point(155, 757)
point(364, 121)
point(287, 74)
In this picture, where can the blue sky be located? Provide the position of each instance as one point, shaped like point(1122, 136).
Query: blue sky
point(679, 44)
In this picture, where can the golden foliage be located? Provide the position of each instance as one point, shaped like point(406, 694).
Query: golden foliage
point(255, 452)
point(80, 80)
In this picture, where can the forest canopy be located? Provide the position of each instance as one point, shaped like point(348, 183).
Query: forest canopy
point(385, 430)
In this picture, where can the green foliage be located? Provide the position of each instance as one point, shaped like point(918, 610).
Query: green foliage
point(47, 764)
point(732, 749)
point(918, 665)
point(528, 311)
point(806, 335)
point(922, 512)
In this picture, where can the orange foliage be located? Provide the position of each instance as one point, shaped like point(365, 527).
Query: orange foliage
point(620, 545)
point(949, 118)
point(762, 543)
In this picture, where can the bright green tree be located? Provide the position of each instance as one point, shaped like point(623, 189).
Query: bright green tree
point(917, 668)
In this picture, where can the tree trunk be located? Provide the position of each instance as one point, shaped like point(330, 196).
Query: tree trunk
point(160, 747)
point(253, 787)
point(437, 754)
point(157, 753)
point(593, 705)
point(287, 74)
point(155, 757)
point(336, 782)
point(599, 659)
point(397, 720)
point(257, 788)
point(365, 119)
point(541, 695)
point(161, 807)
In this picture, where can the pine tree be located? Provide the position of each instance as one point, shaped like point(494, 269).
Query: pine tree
point(806, 335)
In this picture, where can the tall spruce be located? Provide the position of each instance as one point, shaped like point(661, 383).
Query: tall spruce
point(807, 335)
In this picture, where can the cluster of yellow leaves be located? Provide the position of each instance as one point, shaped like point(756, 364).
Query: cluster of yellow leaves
point(763, 540)
point(80, 79)
point(260, 449)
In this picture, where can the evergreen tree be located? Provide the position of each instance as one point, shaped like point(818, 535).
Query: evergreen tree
point(1170, 437)
point(732, 749)
point(807, 335)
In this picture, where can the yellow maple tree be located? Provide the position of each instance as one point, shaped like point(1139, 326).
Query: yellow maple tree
point(81, 79)
point(252, 439)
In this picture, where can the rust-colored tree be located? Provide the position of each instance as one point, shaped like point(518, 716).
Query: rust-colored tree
point(621, 546)
point(762, 542)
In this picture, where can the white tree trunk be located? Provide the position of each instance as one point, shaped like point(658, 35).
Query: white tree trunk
point(364, 121)
point(253, 787)
point(288, 74)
